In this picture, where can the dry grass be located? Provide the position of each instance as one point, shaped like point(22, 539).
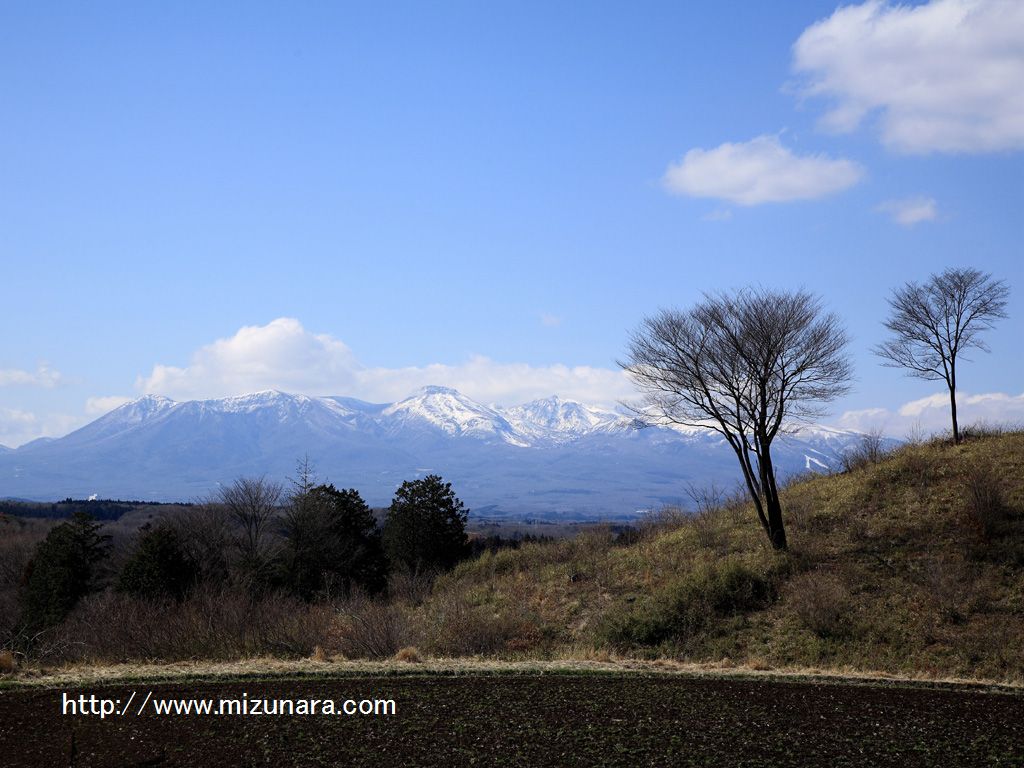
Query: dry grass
point(860, 588)
point(266, 668)
point(410, 654)
point(890, 573)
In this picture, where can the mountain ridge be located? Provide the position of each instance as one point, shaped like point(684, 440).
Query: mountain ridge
point(551, 457)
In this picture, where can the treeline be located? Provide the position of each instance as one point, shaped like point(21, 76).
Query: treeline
point(99, 509)
point(254, 542)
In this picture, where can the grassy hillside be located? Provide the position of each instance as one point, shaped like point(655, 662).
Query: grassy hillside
point(911, 564)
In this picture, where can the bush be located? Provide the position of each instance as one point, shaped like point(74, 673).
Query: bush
point(454, 627)
point(821, 602)
point(409, 654)
point(870, 450)
point(214, 624)
point(410, 587)
point(952, 590)
point(369, 628)
point(656, 522)
point(984, 503)
point(982, 430)
point(691, 604)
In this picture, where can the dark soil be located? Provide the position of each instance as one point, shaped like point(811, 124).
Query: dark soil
point(538, 720)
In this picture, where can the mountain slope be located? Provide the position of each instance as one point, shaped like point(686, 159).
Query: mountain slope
point(551, 457)
point(913, 565)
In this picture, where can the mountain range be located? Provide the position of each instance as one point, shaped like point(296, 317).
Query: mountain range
point(547, 459)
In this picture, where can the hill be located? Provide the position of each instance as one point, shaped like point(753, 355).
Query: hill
point(910, 565)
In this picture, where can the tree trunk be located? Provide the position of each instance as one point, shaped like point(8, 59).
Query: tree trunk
point(776, 530)
point(752, 489)
point(952, 408)
point(773, 507)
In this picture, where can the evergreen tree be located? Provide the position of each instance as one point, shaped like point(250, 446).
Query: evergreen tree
point(62, 571)
point(425, 529)
point(158, 567)
point(332, 543)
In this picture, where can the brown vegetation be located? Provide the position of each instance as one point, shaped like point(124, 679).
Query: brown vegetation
point(910, 564)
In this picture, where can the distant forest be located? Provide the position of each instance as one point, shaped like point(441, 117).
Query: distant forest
point(98, 509)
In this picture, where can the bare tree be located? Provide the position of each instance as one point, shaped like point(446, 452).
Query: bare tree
point(935, 322)
point(747, 365)
point(205, 533)
point(252, 503)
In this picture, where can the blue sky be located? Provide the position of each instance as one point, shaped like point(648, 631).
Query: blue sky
point(204, 199)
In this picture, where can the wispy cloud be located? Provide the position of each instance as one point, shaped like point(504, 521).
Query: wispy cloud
point(759, 171)
point(549, 320)
point(910, 211)
point(943, 76)
point(43, 376)
point(18, 426)
point(931, 414)
point(97, 406)
point(284, 355)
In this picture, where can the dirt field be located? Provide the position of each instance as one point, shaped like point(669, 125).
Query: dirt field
point(534, 720)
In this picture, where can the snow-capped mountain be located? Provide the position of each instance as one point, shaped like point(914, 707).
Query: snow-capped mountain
point(547, 458)
point(451, 412)
point(563, 420)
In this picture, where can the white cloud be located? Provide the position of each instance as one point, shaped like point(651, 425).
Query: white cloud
point(97, 406)
point(44, 376)
point(284, 355)
point(759, 171)
point(944, 76)
point(931, 414)
point(550, 320)
point(18, 427)
point(910, 211)
point(279, 355)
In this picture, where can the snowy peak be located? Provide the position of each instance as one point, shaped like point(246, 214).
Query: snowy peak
point(143, 407)
point(268, 398)
point(453, 413)
point(550, 457)
point(568, 419)
point(431, 412)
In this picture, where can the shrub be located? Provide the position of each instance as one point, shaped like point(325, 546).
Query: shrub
point(656, 522)
point(870, 450)
point(409, 654)
point(410, 587)
point(984, 503)
point(690, 604)
point(454, 627)
point(952, 590)
point(981, 430)
point(208, 624)
point(368, 628)
point(820, 601)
